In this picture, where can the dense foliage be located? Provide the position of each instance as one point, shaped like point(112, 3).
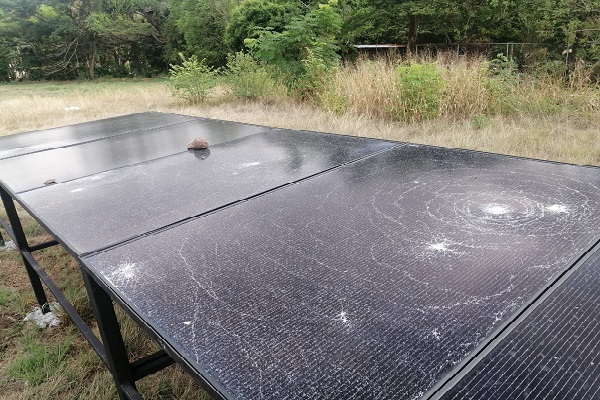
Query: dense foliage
point(67, 39)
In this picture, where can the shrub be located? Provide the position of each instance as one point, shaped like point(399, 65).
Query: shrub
point(504, 68)
point(317, 72)
point(479, 121)
point(305, 47)
point(246, 77)
point(420, 87)
point(192, 80)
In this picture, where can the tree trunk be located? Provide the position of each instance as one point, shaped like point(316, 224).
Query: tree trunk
point(413, 31)
point(92, 62)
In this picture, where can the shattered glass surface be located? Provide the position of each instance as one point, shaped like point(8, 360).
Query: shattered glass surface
point(369, 281)
point(553, 354)
point(121, 204)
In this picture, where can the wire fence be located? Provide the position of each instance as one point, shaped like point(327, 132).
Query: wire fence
point(523, 53)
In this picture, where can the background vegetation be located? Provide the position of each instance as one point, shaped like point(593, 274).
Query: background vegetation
point(73, 39)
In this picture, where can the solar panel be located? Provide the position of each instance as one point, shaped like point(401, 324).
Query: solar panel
point(74, 161)
point(30, 142)
point(553, 354)
point(114, 206)
point(371, 280)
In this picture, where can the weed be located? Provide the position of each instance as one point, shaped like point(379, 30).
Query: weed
point(192, 80)
point(246, 77)
point(8, 297)
point(420, 88)
point(479, 121)
point(504, 68)
point(333, 102)
point(501, 96)
point(38, 362)
point(317, 72)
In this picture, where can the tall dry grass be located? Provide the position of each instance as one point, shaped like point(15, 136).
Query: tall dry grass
point(540, 118)
point(370, 88)
point(366, 88)
point(466, 89)
point(31, 106)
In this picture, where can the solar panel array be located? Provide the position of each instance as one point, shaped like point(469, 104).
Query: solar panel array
point(372, 280)
point(291, 264)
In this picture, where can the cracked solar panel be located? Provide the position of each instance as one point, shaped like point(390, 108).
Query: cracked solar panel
point(553, 354)
point(30, 171)
point(370, 281)
point(30, 142)
point(107, 208)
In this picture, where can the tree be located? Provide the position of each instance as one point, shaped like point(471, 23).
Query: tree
point(307, 42)
point(253, 16)
point(202, 28)
point(130, 35)
point(390, 21)
point(66, 39)
point(575, 23)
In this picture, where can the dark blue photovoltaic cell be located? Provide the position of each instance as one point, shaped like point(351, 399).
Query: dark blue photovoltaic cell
point(29, 142)
point(107, 208)
point(30, 171)
point(553, 354)
point(369, 281)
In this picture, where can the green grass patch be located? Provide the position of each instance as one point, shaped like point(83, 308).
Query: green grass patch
point(8, 297)
point(37, 362)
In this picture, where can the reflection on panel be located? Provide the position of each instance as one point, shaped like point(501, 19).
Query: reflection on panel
point(30, 171)
point(107, 208)
point(29, 142)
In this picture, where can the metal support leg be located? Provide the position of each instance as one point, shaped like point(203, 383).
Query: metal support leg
point(110, 333)
point(22, 245)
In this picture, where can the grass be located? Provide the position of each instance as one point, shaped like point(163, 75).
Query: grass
point(37, 363)
point(57, 363)
point(540, 118)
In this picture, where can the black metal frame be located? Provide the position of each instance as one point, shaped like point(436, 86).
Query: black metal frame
point(111, 349)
